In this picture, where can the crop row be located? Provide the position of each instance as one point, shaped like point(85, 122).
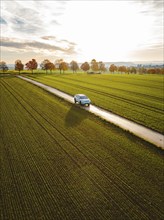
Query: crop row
point(139, 101)
point(58, 161)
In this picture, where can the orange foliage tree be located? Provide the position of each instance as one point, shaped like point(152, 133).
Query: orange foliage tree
point(122, 69)
point(85, 66)
point(47, 65)
point(112, 68)
point(94, 65)
point(32, 65)
point(18, 65)
point(63, 66)
point(101, 66)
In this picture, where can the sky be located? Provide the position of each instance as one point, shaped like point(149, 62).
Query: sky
point(108, 31)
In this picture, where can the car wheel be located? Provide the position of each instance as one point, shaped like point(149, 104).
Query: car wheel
point(75, 100)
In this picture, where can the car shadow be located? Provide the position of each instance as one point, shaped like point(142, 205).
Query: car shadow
point(75, 116)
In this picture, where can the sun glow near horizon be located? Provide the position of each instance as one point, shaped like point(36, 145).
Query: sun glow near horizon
point(111, 30)
point(83, 30)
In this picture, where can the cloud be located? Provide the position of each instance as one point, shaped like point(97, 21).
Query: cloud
point(155, 46)
point(33, 17)
point(154, 3)
point(33, 45)
point(150, 51)
point(2, 21)
point(68, 42)
point(48, 37)
point(20, 26)
point(80, 28)
point(20, 20)
point(61, 41)
point(153, 7)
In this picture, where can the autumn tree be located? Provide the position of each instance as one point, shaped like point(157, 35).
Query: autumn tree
point(74, 66)
point(57, 63)
point(44, 65)
point(85, 66)
point(132, 69)
point(47, 65)
point(122, 69)
point(3, 66)
point(51, 67)
point(94, 65)
point(101, 66)
point(128, 70)
point(32, 65)
point(157, 70)
point(151, 71)
point(112, 68)
point(161, 70)
point(142, 70)
point(18, 65)
point(63, 66)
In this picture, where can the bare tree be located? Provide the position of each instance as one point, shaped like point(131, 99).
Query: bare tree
point(74, 66)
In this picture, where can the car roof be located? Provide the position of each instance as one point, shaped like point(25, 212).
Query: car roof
point(81, 94)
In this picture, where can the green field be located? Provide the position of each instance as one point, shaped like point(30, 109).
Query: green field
point(61, 162)
point(139, 98)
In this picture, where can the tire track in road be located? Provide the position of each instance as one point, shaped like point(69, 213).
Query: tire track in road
point(106, 172)
point(143, 132)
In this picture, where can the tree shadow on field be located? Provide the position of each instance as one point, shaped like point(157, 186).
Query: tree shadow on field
point(75, 116)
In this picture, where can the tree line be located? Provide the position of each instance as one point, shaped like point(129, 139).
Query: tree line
point(93, 67)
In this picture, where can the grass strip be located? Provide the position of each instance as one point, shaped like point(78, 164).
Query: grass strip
point(138, 98)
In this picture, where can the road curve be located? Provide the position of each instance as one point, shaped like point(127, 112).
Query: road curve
point(138, 130)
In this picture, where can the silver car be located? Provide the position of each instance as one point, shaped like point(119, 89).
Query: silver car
point(82, 99)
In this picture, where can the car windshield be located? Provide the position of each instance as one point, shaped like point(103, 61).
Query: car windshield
point(83, 97)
